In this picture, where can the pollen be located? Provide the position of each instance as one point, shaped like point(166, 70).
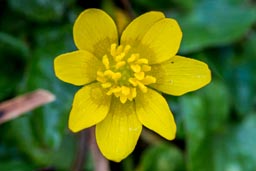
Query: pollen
point(124, 73)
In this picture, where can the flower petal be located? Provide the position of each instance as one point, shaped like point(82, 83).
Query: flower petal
point(90, 106)
point(78, 67)
point(161, 42)
point(139, 26)
point(180, 75)
point(95, 31)
point(118, 133)
point(154, 113)
point(153, 36)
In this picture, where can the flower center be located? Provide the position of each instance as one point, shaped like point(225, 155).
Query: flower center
point(124, 72)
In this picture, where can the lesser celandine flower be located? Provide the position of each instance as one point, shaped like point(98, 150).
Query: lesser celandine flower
point(122, 78)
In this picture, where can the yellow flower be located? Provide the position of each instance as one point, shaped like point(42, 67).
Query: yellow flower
point(122, 78)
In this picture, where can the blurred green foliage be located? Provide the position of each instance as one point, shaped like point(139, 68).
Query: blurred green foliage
point(216, 125)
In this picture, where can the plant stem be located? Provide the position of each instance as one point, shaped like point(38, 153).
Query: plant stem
point(87, 142)
point(81, 151)
point(100, 162)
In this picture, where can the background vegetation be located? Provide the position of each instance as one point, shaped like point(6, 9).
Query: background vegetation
point(216, 125)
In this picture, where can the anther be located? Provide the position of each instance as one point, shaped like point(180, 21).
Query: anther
point(136, 68)
point(116, 76)
point(142, 87)
point(113, 49)
point(142, 61)
point(148, 80)
point(124, 73)
point(139, 75)
point(108, 73)
point(106, 85)
point(133, 81)
point(132, 58)
point(105, 61)
point(123, 99)
point(120, 64)
point(125, 90)
point(119, 49)
point(119, 57)
point(127, 48)
point(146, 68)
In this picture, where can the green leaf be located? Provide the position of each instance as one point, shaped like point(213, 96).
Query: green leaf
point(215, 23)
point(51, 120)
point(13, 52)
point(22, 133)
point(40, 10)
point(205, 114)
point(40, 156)
point(240, 75)
point(195, 115)
point(162, 157)
point(152, 4)
point(242, 85)
point(217, 101)
point(205, 111)
point(47, 124)
point(232, 149)
point(213, 142)
point(15, 165)
point(249, 46)
point(245, 138)
point(12, 45)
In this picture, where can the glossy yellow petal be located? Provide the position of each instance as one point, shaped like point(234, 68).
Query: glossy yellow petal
point(153, 36)
point(90, 106)
point(154, 113)
point(180, 75)
point(78, 67)
point(139, 26)
point(95, 31)
point(161, 42)
point(118, 133)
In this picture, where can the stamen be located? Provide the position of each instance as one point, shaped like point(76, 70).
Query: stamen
point(136, 68)
point(116, 76)
point(132, 58)
point(120, 64)
point(116, 89)
point(142, 87)
point(113, 49)
point(108, 73)
point(106, 85)
point(125, 90)
point(105, 61)
point(146, 68)
point(101, 79)
point(99, 73)
point(134, 92)
point(139, 75)
point(127, 48)
point(119, 57)
point(109, 92)
point(142, 61)
point(119, 49)
point(133, 81)
point(123, 99)
point(117, 94)
point(124, 73)
point(149, 80)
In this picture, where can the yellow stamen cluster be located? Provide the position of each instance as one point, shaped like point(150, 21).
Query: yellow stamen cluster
point(123, 72)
